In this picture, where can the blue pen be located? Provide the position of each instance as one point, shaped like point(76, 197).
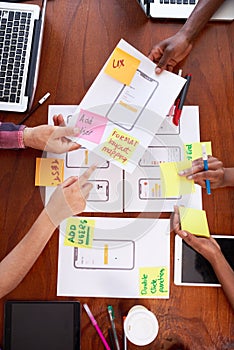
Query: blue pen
point(205, 161)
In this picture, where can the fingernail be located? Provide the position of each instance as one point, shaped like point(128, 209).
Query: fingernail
point(184, 233)
point(181, 173)
point(76, 130)
point(190, 177)
point(158, 70)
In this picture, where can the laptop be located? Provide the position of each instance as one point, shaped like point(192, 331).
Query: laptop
point(181, 9)
point(21, 33)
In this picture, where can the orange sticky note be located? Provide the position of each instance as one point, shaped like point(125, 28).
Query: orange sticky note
point(122, 66)
point(49, 171)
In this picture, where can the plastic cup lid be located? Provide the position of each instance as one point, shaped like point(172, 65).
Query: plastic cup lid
point(141, 327)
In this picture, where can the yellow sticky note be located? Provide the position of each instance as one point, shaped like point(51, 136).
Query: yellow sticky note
point(120, 146)
point(174, 185)
point(194, 150)
point(79, 232)
point(194, 221)
point(49, 171)
point(122, 66)
point(153, 281)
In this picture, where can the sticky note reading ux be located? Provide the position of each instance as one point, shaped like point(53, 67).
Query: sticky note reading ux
point(194, 150)
point(49, 171)
point(194, 221)
point(122, 66)
point(79, 233)
point(120, 146)
point(153, 282)
point(174, 185)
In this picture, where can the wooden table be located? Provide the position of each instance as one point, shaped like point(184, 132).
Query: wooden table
point(79, 36)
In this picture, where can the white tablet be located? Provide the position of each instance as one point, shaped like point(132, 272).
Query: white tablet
point(192, 269)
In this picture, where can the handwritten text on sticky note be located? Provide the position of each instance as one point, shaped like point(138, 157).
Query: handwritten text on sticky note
point(194, 221)
point(120, 146)
point(153, 281)
point(49, 171)
point(194, 150)
point(91, 125)
point(122, 66)
point(79, 232)
point(174, 185)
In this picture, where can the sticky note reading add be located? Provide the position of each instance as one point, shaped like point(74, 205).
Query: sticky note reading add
point(79, 232)
point(194, 150)
point(49, 172)
point(154, 282)
point(174, 185)
point(122, 66)
point(194, 221)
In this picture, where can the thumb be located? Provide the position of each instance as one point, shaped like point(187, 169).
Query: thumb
point(65, 131)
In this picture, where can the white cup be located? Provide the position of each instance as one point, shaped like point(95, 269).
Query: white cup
point(140, 325)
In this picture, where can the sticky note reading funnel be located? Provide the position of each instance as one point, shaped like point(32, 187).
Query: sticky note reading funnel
point(194, 221)
point(122, 66)
point(174, 185)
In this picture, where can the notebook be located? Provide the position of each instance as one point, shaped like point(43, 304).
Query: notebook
point(181, 9)
point(21, 32)
point(41, 325)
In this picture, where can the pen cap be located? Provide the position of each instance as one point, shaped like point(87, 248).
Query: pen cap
point(140, 326)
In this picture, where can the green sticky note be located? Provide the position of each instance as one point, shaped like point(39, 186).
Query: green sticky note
point(194, 150)
point(79, 232)
point(194, 221)
point(174, 185)
point(154, 281)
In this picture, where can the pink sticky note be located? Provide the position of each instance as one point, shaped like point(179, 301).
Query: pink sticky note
point(91, 125)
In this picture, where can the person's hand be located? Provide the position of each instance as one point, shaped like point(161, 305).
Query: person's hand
point(51, 138)
point(69, 198)
point(197, 173)
point(169, 52)
point(207, 247)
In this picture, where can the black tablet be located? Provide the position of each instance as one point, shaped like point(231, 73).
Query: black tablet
point(37, 325)
point(192, 269)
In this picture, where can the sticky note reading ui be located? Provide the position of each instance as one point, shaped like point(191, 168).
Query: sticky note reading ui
point(194, 221)
point(91, 125)
point(49, 172)
point(79, 232)
point(194, 150)
point(174, 185)
point(122, 66)
point(153, 282)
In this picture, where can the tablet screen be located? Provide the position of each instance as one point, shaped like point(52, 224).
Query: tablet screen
point(42, 325)
point(192, 268)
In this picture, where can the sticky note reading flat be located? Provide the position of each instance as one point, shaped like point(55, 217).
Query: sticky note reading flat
point(120, 146)
point(194, 150)
point(91, 125)
point(194, 221)
point(122, 66)
point(49, 171)
point(79, 233)
point(174, 185)
point(153, 282)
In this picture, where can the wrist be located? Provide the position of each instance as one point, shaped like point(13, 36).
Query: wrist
point(26, 136)
point(228, 178)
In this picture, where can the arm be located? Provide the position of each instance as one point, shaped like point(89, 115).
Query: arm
point(168, 53)
point(210, 249)
point(43, 137)
point(68, 199)
point(217, 174)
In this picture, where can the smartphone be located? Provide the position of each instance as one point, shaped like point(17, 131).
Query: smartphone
point(83, 158)
point(150, 188)
point(132, 100)
point(154, 155)
point(99, 192)
point(192, 269)
point(106, 254)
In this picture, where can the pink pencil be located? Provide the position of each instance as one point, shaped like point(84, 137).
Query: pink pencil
point(94, 323)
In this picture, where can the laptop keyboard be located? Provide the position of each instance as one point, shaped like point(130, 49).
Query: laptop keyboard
point(14, 32)
point(184, 2)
